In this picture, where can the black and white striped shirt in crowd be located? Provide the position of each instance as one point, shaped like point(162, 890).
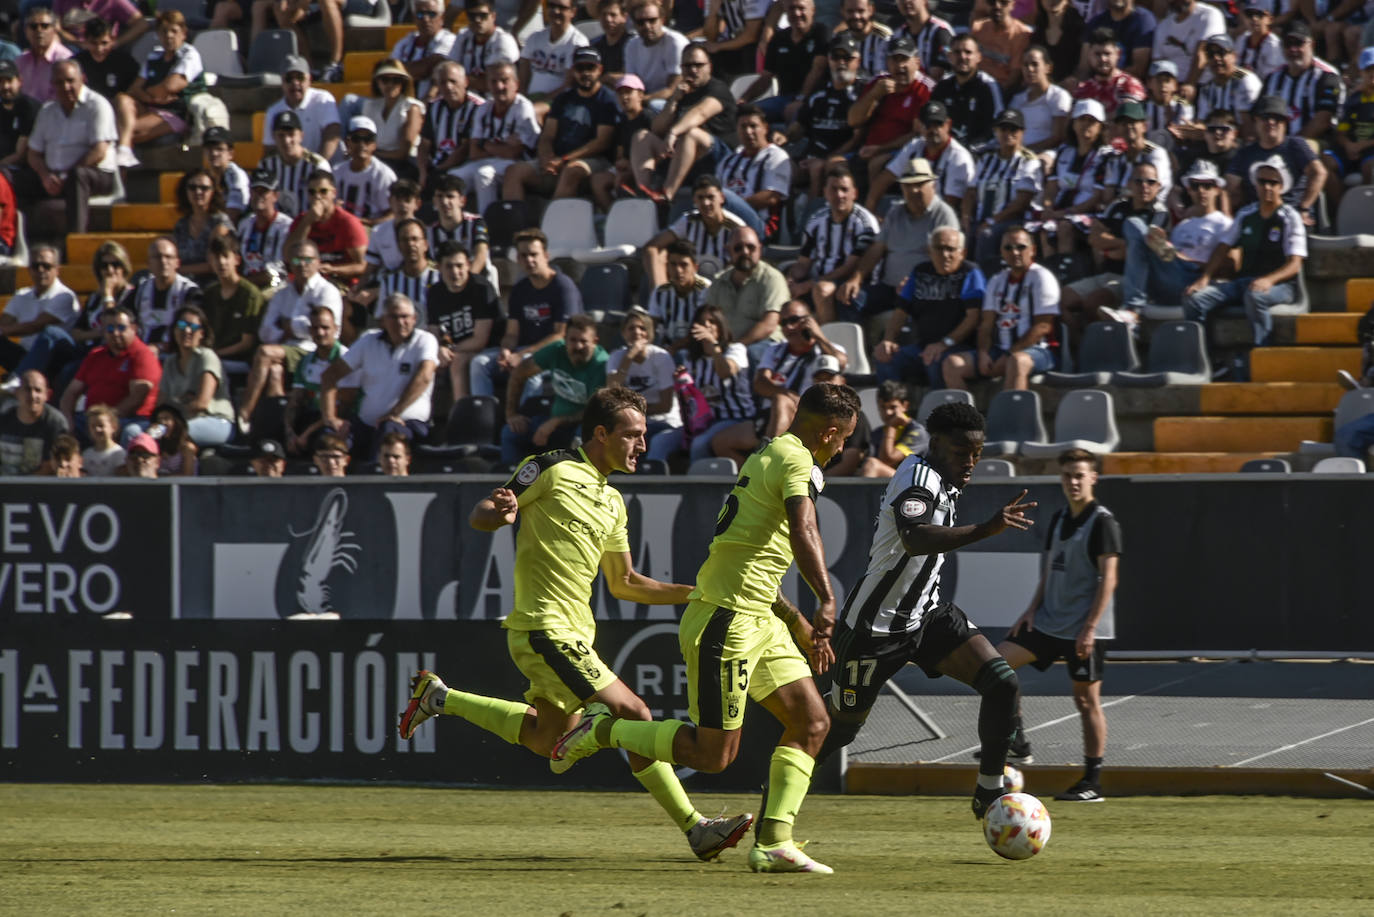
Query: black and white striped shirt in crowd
point(711, 247)
point(1317, 89)
point(417, 288)
point(292, 179)
point(446, 128)
point(999, 180)
point(828, 243)
point(672, 311)
point(1236, 94)
point(932, 42)
point(899, 589)
point(263, 249)
point(731, 398)
point(737, 14)
point(1159, 117)
point(873, 52)
point(467, 232)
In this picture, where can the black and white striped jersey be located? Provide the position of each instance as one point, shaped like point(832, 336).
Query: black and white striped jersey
point(899, 589)
point(468, 232)
point(954, 168)
point(828, 243)
point(447, 129)
point(292, 178)
point(672, 311)
point(1317, 89)
point(475, 58)
point(1117, 168)
point(872, 51)
point(932, 41)
point(999, 180)
point(263, 249)
point(1159, 117)
point(365, 194)
point(730, 398)
point(518, 121)
point(737, 13)
point(710, 246)
point(417, 288)
point(1236, 94)
point(770, 169)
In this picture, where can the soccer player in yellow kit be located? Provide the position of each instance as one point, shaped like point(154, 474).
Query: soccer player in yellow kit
point(737, 634)
point(573, 522)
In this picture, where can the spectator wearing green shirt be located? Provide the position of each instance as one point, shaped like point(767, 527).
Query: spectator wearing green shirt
point(233, 305)
point(577, 369)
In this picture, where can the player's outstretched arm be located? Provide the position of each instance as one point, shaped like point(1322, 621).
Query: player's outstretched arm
point(796, 622)
point(809, 553)
point(920, 538)
point(492, 512)
point(625, 582)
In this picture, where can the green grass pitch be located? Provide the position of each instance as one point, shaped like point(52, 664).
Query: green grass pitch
point(336, 850)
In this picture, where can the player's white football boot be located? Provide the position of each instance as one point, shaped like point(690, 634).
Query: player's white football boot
point(784, 857)
point(579, 741)
point(710, 836)
point(425, 687)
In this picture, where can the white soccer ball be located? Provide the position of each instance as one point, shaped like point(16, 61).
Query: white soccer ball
point(1013, 781)
point(1017, 826)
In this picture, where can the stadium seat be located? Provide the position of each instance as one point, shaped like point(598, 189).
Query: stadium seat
point(117, 194)
point(1013, 418)
point(719, 467)
point(850, 336)
point(219, 51)
point(606, 287)
point(1339, 464)
point(1352, 406)
point(993, 468)
point(20, 256)
point(504, 219)
point(629, 225)
point(1267, 466)
point(1108, 347)
point(938, 396)
point(1356, 213)
point(1178, 356)
point(868, 400)
point(1086, 419)
point(474, 425)
point(143, 46)
point(568, 224)
point(193, 10)
point(268, 54)
point(744, 81)
point(652, 466)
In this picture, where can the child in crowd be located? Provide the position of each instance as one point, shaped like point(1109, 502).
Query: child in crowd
point(66, 457)
point(105, 456)
point(899, 436)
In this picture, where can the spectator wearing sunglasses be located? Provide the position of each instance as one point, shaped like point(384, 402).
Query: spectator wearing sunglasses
point(122, 372)
point(422, 50)
point(547, 58)
point(45, 51)
point(44, 312)
point(193, 379)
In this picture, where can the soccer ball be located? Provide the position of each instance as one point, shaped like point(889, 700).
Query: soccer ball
point(1016, 826)
point(1013, 781)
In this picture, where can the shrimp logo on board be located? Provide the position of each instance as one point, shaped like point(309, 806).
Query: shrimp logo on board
point(328, 548)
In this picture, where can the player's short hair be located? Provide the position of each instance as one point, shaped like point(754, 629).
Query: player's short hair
point(603, 408)
point(65, 446)
point(706, 180)
point(682, 248)
point(449, 248)
point(450, 183)
point(894, 390)
point(581, 321)
point(404, 189)
point(531, 234)
point(830, 401)
point(1072, 456)
point(955, 417)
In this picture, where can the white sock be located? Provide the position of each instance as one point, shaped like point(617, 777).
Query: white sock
point(990, 781)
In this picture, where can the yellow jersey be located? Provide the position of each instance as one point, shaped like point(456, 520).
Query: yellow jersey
point(569, 516)
point(752, 548)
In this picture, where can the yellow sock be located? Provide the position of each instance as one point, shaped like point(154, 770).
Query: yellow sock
point(658, 778)
point(502, 717)
point(646, 738)
point(789, 777)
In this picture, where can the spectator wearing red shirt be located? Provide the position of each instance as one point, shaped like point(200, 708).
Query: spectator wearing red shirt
point(9, 223)
point(123, 373)
point(1109, 85)
point(889, 105)
point(338, 234)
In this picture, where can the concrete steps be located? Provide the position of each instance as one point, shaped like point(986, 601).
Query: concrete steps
point(1302, 364)
point(1180, 462)
point(1238, 434)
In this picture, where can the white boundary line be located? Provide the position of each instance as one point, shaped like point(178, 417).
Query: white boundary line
point(1296, 744)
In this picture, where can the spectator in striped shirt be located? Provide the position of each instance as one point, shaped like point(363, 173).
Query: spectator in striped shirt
point(931, 34)
point(832, 245)
point(456, 224)
point(262, 233)
point(504, 132)
point(364, 181)
point(292, 164)
point(953, 164)
point(448, 119)
point(732, 33)
point(873, 37)
point(1009, 178)
point(672, 304)
point(708, 228)
point(483, 44)
point(1228, 88)
point(756, 177)
point(413, 278)
point(1165, 110)
point(422, 50)
point(1261, 51)
point(1312, 88)
point(1351, 149)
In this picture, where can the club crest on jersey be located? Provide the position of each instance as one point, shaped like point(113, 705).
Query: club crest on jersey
point(527, 473)
point(913, 508)
point(817, 478)
point(850, 697)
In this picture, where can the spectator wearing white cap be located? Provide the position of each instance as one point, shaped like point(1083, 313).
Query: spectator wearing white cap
point(1161, 265)
point(1071, 192)
point(315, 109)
point(1271, 239)
point(1351, 149)
point(364, 181)
point(1179, 34)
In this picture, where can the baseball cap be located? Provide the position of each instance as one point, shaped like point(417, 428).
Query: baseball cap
point(1164, 66)
point(296, 64)
point(214, 136)
point(586, 55)
point(363, 124)
point(1090, 108)
point(1011, 117)
point(1298, 28)
point(826, 363)
point(1367, 58)
point(1130, 110)
point(918, 172)
point(1270, 106)
point(286, 121)
point(901, 46)
point(8, 70)
point(144, 443)
point(846, 42)
point(268, 448)
point(1220, 40)
point(630, 81)
point(934, 113)
point(264, 179)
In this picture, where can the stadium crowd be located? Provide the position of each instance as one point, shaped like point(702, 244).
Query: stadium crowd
point(970, 191)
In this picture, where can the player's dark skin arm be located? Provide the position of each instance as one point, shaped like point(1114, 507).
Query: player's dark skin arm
point(809, 553)
point(938, 539)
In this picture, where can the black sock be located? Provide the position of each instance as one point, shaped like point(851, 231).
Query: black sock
point(1001, 692)
point(1092, 770)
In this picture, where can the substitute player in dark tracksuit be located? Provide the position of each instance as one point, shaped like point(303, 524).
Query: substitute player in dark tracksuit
point(1071, 613)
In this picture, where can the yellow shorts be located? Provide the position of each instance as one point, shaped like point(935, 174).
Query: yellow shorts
point(561, 665)
point(730, 654)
